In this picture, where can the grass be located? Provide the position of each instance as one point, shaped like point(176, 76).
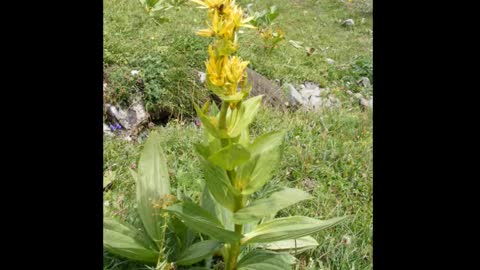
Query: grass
point(328, 153)
point(168, 54)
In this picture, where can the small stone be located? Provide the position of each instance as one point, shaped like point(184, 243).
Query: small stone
point(330, 61)
point(364, 81)
point(294, 96)
point(349, 92)
point(309, 184)
point(346, 240)
point(136, 115)
point(364, 103)
point(134, 72)
point(348, 22)
point(106, 203)
point(202, 76)
point(120, 115)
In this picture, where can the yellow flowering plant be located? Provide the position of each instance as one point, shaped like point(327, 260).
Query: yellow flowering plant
point(235, 167)
point(230, 221)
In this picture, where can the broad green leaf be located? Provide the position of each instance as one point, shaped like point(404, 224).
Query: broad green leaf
point(125, 241)
point(214, 110)
point(118, 226)
point(233, 98)
point(293, 246)
point(217, 181)
point(288, 228)
point(266, 260)
point(265, 154)
point(230, 157)
point(152, 183)
point(202, 221)
point(270, 205)
point(244, 138)
point(198, 252)
point(267, 142)
point(224, 215)
point(246, 113)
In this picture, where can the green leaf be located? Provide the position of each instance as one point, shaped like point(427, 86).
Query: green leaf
point(246, 113)
point(125, 241)
point(293, 246)
point(230, 157)
point(267, 142)
point(288, 228)
point(202, 221)
point(266, 260)
point(214, 110)
point(217, 181)
point(265, 155)
point(209, 124)
point(116, 225)
point(224, 215)
point(198, 251)
point(152, 183)
point(244, 138)
point(270, 206)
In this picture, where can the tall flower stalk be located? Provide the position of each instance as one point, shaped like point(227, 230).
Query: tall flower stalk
point(227, 78)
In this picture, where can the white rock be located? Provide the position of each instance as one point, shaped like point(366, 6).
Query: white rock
point(349, 92)
point(348, 22)
point(364, 81)
point(134, 72)
point(294, 96)
point(136, 115)
point(330, 61)
point(106, 130)
point(202, 76)
point(120, 115)
point(358, 95)
point(364, 103)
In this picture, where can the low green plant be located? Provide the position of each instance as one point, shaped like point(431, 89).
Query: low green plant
point(270, 34)
point(156, 8)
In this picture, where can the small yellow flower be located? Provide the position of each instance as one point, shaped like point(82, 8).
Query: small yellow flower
point(215, 72)
point(234, 69)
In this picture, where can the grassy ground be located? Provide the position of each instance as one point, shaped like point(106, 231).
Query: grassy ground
point(167, 55)
point(327, 153)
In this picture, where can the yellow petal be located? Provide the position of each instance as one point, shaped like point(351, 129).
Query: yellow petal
point(205, 33)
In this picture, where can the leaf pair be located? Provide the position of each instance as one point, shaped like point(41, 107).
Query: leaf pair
point(124, 240)
point(265, 155)
point(237, 120)
point(202, 221)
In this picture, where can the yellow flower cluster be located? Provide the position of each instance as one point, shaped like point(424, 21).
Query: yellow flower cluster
point(225, 72)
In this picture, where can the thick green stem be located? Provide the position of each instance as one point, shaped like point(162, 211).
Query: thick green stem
point(234, 251)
